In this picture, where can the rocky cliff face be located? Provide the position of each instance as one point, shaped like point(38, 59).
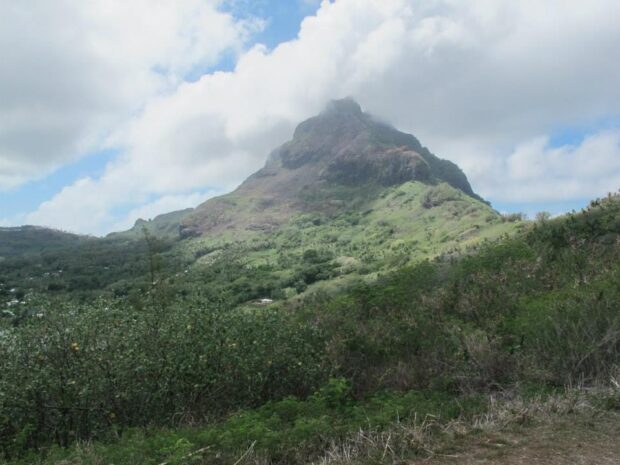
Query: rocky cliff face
point(341, 148)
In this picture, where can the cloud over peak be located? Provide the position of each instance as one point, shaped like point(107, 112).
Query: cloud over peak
point(483, 83)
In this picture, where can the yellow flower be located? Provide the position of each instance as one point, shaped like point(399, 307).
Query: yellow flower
point(75, 346)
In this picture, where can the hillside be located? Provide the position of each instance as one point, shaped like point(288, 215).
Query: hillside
point(28, 240)
point(433, 360)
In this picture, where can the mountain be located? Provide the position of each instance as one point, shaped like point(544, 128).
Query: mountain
point(348, 198)
point(341, 149)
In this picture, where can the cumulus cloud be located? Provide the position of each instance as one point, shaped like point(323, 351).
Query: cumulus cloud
point(536, 171)
point(477, 82)
point(71, 70)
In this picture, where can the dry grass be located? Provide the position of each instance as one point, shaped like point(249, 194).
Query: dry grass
point(387, 446)
point(567, 428)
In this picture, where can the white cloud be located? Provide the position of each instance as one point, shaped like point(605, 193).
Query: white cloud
point(72, 70)
point(536, 172)
point(472, 80)
point(82, 207)
point(87, 208)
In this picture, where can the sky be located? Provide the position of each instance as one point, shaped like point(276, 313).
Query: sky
point(113, 110)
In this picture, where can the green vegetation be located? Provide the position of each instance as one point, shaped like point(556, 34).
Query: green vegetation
point(285, 431)
point(183, 367)
point(378, 231)
point(30, 240)
point(80, 268)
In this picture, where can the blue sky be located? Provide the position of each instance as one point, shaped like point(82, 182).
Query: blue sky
point(27, 197)
point(180, 103)
point(282, 18)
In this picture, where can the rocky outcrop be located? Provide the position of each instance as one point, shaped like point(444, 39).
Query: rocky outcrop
point(342, 146)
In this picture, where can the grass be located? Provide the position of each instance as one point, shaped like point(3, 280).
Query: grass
point(500, 434)
point(389, 231)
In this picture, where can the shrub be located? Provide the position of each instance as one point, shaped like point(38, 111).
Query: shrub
point(78, 372)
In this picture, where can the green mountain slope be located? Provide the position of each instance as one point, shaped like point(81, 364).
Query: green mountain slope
point(28, 240)
point(379, 230)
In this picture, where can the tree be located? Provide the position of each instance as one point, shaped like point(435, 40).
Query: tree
point(543, 217)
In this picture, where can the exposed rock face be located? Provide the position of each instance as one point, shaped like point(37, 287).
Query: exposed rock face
point(341, 127)
point(389, 167)
point(342, 146)
point(344, 138)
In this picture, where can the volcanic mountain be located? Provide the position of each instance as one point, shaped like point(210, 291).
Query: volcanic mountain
point(332, 160)
point(347, 198)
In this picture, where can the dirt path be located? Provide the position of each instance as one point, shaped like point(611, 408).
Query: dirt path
point(571, 440)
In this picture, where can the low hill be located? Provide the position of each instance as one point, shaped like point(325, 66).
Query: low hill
point(26, 240)
point(164, 226)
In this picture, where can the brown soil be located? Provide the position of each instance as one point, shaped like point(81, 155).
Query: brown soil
point(572, 440)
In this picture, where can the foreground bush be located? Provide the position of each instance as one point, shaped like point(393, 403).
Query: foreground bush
point(73, 374)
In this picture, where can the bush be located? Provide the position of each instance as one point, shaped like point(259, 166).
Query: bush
point(78, 372)
point(573, 334)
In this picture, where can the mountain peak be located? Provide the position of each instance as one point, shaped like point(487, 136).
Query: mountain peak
point(341, 148)
point(343, 107)
point(340, 120)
